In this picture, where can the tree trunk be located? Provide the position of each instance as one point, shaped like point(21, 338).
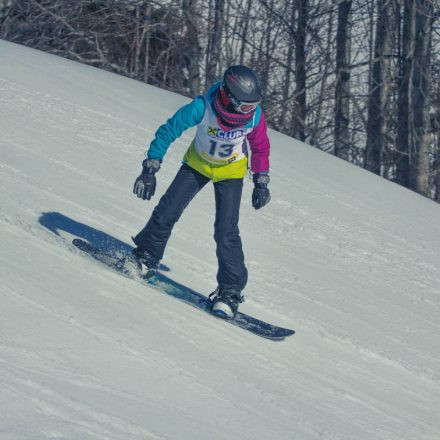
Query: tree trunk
point(300, 112)
point(147, 44)
point(314, 132)
point(193, 49)
point(404, 98)
point(436, 165)
point(245, 23)
point(215, 41)
point(342, 94)
point(436, 161)
point(289, 68)
point(420, 90)
point(380, 85)
point(265, 50)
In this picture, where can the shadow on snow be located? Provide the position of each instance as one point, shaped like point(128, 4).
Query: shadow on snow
point(57, 222)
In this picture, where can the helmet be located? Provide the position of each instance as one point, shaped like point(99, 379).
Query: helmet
point(242, 87)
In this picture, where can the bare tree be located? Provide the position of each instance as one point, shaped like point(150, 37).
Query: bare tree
point(435, 129)
point(193, 53)
point(285, 97)
point(380, 85)
point(325, 94)
point(244, 28)
point(215, 41)
point(420, 89)
point(406, 37)
point(300, 107)
point(342, 93)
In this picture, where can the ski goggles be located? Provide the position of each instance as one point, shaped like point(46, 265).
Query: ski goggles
point(241, 106)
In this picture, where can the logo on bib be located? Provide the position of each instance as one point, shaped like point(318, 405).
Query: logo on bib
point(228, 135)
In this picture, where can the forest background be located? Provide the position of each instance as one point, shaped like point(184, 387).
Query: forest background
point(359, 79)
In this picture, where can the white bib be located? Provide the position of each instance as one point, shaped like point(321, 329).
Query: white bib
point(216, 145)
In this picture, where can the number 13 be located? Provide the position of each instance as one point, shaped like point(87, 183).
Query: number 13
point(225, 149)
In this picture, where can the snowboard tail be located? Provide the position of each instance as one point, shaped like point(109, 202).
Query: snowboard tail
point(166, 285)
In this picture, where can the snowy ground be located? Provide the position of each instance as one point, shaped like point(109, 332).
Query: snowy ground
point(349, 260)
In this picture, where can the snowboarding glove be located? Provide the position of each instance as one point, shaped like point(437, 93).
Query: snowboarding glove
point(145, 185)
point(260, 195)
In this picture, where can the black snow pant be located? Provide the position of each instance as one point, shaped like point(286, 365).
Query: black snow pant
point(232, 272)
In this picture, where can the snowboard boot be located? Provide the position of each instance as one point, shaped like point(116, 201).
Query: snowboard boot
point(143, 262)
point(225, 302)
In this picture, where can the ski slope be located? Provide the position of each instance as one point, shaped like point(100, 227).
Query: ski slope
point(347, 259)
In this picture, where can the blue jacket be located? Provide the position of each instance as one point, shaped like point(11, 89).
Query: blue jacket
point(186, 117)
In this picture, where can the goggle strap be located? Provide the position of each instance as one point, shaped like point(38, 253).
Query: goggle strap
point(238, 104)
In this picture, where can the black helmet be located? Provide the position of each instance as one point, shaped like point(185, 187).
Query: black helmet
point(242, 85)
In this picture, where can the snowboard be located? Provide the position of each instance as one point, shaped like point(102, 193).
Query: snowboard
point(160, 282)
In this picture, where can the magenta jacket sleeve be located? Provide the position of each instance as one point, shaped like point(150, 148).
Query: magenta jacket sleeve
point(260, 147)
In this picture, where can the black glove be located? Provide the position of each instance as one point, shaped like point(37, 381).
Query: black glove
point(260, 195)
point(145, 184)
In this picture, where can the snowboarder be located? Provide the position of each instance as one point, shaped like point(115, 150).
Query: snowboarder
point(228, 119)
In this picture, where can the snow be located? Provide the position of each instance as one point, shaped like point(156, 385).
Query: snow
point(347, 259)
